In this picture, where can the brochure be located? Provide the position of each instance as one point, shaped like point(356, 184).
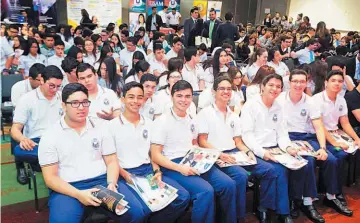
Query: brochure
point(201, 159)
point(156, 196)
point(287, 160)
point(304, 148)
point(111, 200)
point(241, 160)
point(341, 136)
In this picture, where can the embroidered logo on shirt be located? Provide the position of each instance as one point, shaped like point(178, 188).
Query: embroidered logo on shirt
point(303, 112)
point(232, 124)
point(61, 112)
point(95, 144)
point(106, 101)
point(145, 134)
point(341, 108)
point(151, 111)
point(275, 118)
point(192, 128)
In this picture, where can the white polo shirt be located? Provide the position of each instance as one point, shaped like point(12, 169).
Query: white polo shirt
point(19, 89)
point(25, 62)
point(252, 91)
point(174, 133)
point(171, 54)
point(173, 18)
point(6, 51)
point(132, 78)
point(163, 102)
point(148, 109)
point(132, 142)
point(298, 116)
point(126, 57)
point(208, 76)
point(156, 65)
point(91, 59)
point(55, 60)
point(263, 127)
point(79, 156)
point(280, 69)
point(37, 113)
point(330, 111)
point(221, 130)
point(251, 71)
point(207, 97)
point(193, 76)
point(105, 99)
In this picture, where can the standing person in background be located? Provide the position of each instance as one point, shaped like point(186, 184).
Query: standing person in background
point(227, 30)
point(153, 21)
point(267, 20)
point(276, 20)
point(190, 23)
point(324, 37)
point(174, 18)
point(163, 14)
point(298, 21)
point(210, 27)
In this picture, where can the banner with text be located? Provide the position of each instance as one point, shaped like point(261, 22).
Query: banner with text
point(202, 5)
point(137, 6)
point(216, 6)
point(173, 4)
point(158, 3)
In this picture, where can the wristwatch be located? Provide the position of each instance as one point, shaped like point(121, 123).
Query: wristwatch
point(116, 185)
point(324, 149)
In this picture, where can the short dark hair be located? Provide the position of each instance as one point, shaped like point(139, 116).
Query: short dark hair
point(203, 47)
point(181, 85)
point(59, 42)
point(297, 72)
point(148, 77)
point(130, 85)
point(36, 69)
point(71, 88)
point(333, 73)
point(124, 25)
point(176, 40)
point(193, 9)
point(226, 45)
point(125, 33)
point(221, 79)
point(212, 10)
point(165, 7)
point(95, 37)
point(133, 40)
point(228, 16)
point(69, 63)
point(189, 52)
point(338, 63)
point(52, 71)
point(157, 35)
point(83, 67)
point(271, 76)
point(79, 41)
point(157, 45)
point(175, 64)
point(311, 41)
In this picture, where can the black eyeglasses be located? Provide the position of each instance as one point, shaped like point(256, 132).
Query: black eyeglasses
point(76, 104)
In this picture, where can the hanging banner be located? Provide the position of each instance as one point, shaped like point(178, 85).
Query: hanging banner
point(202, 5)
point(173, 4)
point(137, 6)
point(158, 3)
point(216, 6)
point(105, 10)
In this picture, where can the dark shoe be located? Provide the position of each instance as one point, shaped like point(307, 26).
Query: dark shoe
point(294, 208)
point(338, 206)
point(285, 219)
point(263, 216)
point(342, 199)
point(22, 176)
point(311, 212)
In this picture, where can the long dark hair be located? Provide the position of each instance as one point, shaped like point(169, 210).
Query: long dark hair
point(137, 55)
point(93, 51)
point(104, 51)
point(318, 75)
point(84, 13)
point(73, 52)
point(22, 42)
point(118, 38)
point(28, 45)
point(141, 65)
point(115, 80)
point(214, 63)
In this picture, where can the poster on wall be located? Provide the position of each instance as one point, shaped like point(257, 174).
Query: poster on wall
point(106, 10)
point(158, 3)
point(173, 4)
point(216, 6)
point(137, 6)
point(202, 5)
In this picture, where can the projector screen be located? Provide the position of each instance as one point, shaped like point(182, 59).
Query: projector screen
point(337, 14)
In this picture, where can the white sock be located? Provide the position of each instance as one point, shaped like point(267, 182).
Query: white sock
point(330, 196)
point(308, 201)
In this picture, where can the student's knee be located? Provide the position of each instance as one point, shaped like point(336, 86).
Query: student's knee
point(183, 198)
point(134, 215)
point(65, 209)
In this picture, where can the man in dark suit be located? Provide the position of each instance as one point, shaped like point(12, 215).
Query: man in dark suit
point(210, 27)
point(353, 68)
point(153, 21)
point(227, 30)
point(189, 23)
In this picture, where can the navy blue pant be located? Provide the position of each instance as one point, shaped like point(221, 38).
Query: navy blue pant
point(262, 170)
point(25, 155)
point(66, 209)
point(174, 210)
point(329, 168)
point(202, 188)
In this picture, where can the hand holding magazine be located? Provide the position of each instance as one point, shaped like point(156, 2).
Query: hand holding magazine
point(303, 148)
point(155, 195)
point(111, 200)
point(241, 160)
point(341, 136)
point(287, 160)
point(200, 159)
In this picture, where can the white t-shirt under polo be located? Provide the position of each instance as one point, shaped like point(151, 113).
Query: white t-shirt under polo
point(105, 99)
point(220, 129)
point(263, 126)
point(37, 113)
point(132, 142)
point(175, 133)
point(19, 89)
point(79, 156)
point(330, 111)
point(298, 116)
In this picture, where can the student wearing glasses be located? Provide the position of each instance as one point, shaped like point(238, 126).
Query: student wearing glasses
point(71, 171)
point(35, 112)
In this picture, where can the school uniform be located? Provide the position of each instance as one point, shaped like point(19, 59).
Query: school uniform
point(201, 188)
point(221, 132)
point(264, 128)
point(36, 113)
point(192, 76)
point(207, 97)
point(156, 65)
point(298, 118)
point(148, 109)
point(47, 52)
point(80, 163)
point(128, 137)
point(331, 113)
point(208, 76)
point(55, 60)
point(19, 89)
point(25, 62)
point(105, 100)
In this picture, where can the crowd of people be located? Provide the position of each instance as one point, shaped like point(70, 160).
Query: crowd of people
point(97, 106)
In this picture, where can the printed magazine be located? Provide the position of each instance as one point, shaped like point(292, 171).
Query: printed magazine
point(304, 148)
point(200, 159)
point(111, 200)
point(341, 136)
point(287, 160)
point(241, 160)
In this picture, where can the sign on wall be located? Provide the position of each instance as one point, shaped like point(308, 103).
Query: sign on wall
point(158, 3)
point(202, 5)
point(137, 6)
point(216, 6)
point(173, 4)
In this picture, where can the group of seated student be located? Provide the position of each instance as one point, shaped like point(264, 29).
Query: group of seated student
point(128, 105)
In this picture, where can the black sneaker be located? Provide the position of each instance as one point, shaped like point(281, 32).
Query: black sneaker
point(22, 177)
